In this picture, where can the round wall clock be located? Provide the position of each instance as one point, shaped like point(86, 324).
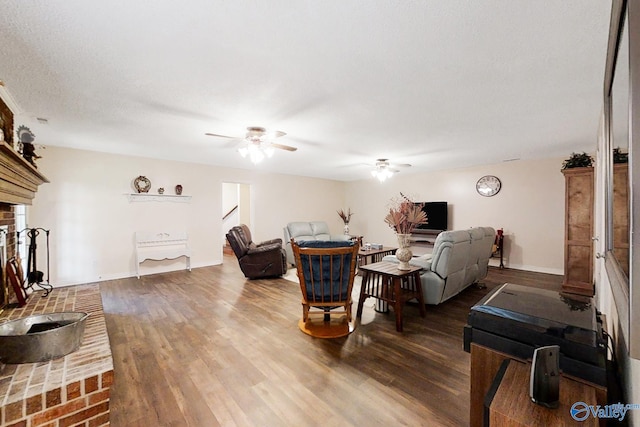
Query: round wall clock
point(488, 185)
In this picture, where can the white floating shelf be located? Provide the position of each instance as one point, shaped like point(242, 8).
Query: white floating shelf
point(145, 197)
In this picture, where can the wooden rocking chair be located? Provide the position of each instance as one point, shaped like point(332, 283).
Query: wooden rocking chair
point(326, 270)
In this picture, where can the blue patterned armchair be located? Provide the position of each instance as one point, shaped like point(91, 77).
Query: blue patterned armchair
point(326, 270)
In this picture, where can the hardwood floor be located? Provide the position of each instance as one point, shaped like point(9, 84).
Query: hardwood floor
point(210, 348)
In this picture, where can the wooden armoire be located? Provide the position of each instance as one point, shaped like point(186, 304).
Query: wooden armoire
point(578, 236)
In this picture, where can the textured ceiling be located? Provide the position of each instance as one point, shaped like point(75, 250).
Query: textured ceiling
point(438, 84)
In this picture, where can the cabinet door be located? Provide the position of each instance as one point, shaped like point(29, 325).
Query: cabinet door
point(621, 215)
point(578, 253)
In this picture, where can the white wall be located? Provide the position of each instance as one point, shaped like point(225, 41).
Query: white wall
point(529, 207)
point(92, 222)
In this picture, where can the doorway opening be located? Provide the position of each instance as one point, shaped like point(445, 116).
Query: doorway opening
point(236, 209)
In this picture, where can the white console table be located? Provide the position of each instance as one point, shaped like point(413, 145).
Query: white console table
point(160, 245)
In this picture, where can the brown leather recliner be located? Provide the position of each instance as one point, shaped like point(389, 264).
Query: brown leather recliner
point(265, 259)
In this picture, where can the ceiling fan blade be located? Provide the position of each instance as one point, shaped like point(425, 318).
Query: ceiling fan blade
point(276, 134)
point(283, 147)
point(220, 136)
point(401, 165)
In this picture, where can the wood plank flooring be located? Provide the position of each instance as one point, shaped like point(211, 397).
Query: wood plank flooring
point(209, 348)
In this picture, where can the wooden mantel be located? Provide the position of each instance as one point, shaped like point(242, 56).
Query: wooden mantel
point(19, 179)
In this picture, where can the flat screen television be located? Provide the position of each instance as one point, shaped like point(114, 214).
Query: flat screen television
point(437, 216)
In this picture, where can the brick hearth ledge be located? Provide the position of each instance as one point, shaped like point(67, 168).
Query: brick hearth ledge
point(67, 391)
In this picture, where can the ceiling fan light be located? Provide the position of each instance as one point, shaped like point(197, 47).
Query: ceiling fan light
point(257, 144)
point(382, 174)
point(269, 150)
point(255, 152)
point(256, 156)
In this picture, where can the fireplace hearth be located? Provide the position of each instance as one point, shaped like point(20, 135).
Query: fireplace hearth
point(70, 390)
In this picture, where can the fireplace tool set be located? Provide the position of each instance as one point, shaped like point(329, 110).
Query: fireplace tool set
point(20, 282)
point(34, 276)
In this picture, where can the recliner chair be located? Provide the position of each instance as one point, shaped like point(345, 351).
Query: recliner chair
point(265, 259)
point(308, 231)
point(460, 258)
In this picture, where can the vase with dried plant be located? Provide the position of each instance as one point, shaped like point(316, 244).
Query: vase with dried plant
point(346, 217)
point(403, 217)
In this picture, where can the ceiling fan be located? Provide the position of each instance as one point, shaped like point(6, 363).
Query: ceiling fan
point(384, 169)
point(258, 143)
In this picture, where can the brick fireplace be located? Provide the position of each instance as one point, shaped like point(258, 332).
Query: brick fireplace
point(19, 181)
point(8, 237)
point(72, 390)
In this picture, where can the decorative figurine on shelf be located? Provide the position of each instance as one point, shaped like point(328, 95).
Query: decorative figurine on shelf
point(161, 190)
point(25, 144)
point(179, 190)
point(142, 184)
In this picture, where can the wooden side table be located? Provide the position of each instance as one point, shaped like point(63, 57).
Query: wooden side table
point(383, 280)
point(485, 364)
point(508, 402)
point(368, 256)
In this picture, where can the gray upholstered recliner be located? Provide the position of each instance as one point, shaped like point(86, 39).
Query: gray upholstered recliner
point(314, 230)
point(482, 239)
point(459, 259)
